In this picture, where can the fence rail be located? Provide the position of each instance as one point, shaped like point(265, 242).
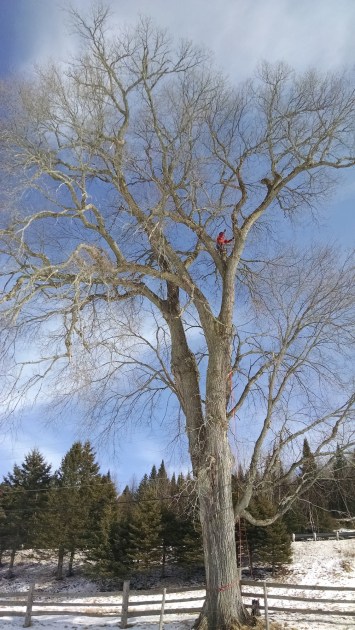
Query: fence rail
point(125, 605)
point(336, 535)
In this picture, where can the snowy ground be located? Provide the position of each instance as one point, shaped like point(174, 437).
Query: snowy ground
point(323, 563)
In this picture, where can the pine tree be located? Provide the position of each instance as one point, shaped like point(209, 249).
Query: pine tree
point(170, 536)
point(74, 502)
point(114, 559)
point(314, 501)
point(5, 530)
point(26, 492)
point(188, 535)
point(351, 485)
point(104, 513)
point(190, 550)
point(153, 473)
point(339, 492)
point(145, 528)
point(271, 544)
point(163, 478)
point(173, 485)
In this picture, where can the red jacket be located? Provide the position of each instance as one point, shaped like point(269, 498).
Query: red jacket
point(221, 239)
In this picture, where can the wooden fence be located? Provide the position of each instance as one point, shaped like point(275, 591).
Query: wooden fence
point(128, 604)
point(337, 535)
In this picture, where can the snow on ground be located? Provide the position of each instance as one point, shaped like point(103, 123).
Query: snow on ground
point(323, 563)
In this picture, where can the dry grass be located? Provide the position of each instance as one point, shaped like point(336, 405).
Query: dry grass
point(346, 566)
point(259, 624)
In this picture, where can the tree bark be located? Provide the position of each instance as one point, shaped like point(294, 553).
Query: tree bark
point(12, 558)
point(163, 561)
point(212, 466)
point(59, 573)
point(223, 608)
point(71, 561)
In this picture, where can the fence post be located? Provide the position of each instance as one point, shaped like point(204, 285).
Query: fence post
point(161, 622)
point(125, 599)
point(337, 534)
point(265, 607)
point(27, 621)
point(293, 537)
point(314, 536)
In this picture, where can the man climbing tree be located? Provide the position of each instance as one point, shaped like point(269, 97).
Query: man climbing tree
point(222, 241)
point(126, 162)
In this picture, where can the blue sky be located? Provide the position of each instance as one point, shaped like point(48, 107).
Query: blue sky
point(240, 33)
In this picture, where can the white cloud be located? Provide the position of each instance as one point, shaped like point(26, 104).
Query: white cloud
point(239, 32)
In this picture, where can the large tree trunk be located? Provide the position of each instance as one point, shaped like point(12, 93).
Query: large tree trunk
point(223, 608)
point(212, 466)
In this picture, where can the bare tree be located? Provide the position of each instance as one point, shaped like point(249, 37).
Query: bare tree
point(130, 161)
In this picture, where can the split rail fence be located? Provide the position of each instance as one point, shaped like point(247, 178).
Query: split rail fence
point(336, 535)
point(126, 605)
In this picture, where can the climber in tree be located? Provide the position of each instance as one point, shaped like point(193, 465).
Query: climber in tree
point(221, 242)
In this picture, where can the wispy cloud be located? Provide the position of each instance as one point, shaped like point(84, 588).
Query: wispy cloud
point(240, 33)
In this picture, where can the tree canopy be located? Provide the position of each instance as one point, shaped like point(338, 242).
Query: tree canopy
point(121, 168)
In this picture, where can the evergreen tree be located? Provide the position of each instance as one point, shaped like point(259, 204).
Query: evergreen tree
point(296, 519)
point(154, 525)
point(190, 550)
point(74, 504)
point(103, 513)
point(115, 558)
point(170, 535)
point(5, 531)
point(188, 536)
point(145, 528)
point(314, 502)
point(339, 493)
point(351, 485)
point(163, 478)
point(271, 544)
point(153, 474)
point(143, 484)
point(25, 500)
point(309, 466)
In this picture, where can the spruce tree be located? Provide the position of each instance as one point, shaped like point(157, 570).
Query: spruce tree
point(190, 550)
point(25, 501)
point(104, 514)
point(271, 544)
point(339, 492)
point(351, 485)
point(153, 473)
point(188, 536)
point(74, 503)
point(145, 528)
point(314, 501)
point(169, 525)
point(5, 520)
point(119, 551)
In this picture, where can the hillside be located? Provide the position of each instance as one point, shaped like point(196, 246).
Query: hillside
point(323, 563)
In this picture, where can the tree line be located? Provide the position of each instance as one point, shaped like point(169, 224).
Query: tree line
point(154, 523)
